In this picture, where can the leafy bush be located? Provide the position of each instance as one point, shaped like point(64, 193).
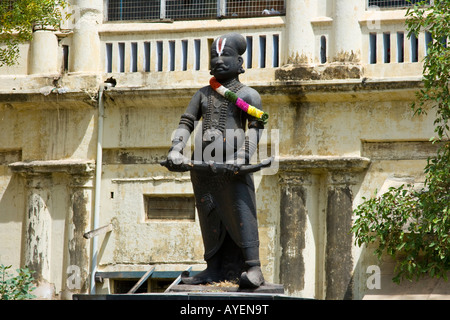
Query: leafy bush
point(16, 23)
point(18, 287)
point(413, 226)
point(402, 224)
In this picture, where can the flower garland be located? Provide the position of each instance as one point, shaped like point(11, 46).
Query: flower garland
point(232, 97)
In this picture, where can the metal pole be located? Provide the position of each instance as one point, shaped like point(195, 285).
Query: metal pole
point(98, 181)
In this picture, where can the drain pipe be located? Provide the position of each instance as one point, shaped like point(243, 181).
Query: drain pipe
point(98, 182)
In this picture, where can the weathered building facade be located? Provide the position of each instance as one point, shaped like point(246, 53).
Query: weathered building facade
point(89, 112)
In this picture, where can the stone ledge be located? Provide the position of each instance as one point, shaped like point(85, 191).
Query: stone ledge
point(323, 162)
point(54, 166)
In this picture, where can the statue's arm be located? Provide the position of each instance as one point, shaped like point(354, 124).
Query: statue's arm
point(185, 127)
point(255, 127)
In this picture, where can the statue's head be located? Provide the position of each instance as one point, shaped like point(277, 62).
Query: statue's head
point(226, 52)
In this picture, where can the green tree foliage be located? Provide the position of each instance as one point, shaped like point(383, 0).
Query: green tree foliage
point(411, 225)
point(18, 287)
point(17, 18)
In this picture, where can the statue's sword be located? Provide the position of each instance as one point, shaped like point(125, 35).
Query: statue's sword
point(214, 167)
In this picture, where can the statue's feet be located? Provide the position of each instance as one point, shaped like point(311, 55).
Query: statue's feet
point(204, 277)
point(252, 278)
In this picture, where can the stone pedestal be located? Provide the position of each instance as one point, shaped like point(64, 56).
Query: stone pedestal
point(267, 288)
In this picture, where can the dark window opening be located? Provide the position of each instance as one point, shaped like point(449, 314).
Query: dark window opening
point(171, 55)
point(276, 51)
point(134, 57)
point(387, 47)
point(249, 52)
point(159, 285)
point(323, 49)
point(197, 47)
point(109, 55)
point(400, 47)
point(123, 286)
point(159, 56)
point(121, 57)
point(153, 285)
point(414, 48)
point(147, 51)
point(65, 58)
point(169, 207)
point(184, 53)
point(373, 48)
point(262, 51)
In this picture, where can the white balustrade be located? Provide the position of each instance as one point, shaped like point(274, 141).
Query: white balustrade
point(173, 52)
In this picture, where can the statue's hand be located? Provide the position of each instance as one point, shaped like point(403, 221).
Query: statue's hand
point(242, 157)
point(231, 169)
point(176, 161)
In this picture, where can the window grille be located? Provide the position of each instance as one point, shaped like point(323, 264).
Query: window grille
point(123, 10)
point(393, 3)
point(239, 8)
point(119, 10)
point(202, 9)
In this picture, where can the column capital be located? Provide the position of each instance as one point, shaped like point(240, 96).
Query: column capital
point(323, 163)
point(295, 178)
point(342, 177)
point(71, 167)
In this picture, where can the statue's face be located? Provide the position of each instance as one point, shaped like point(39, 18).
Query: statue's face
point(225, 64)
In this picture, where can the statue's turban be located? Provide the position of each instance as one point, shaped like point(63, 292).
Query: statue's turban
point(233, 40)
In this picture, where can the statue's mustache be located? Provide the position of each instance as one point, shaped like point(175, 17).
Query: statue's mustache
point(220, 66)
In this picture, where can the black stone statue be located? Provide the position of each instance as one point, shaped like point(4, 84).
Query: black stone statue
point(225, 200)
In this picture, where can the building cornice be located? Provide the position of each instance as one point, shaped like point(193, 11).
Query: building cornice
point(279, 90)
point(158, 27)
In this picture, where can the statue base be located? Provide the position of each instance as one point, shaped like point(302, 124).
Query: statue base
point(266, 288)
point(181, 292)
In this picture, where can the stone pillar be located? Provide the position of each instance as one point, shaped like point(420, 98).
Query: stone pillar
point(300, 237)
point(37, 251)
point(43, 51)
point(293, 213)
point(316, 210)
point(347, 31)
point(85, 50)
point(300, 34)
point(78, 248)
point(38, 223)
point(339, 261)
